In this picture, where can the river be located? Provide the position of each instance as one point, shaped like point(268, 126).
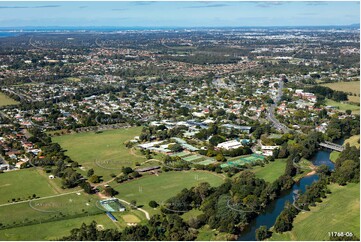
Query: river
point(269, 216)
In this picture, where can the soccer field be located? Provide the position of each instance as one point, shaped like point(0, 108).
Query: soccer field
point(104, 152)
point(24, 183)
point(160, 188)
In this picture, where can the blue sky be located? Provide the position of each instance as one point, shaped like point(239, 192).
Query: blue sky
point(178, 14)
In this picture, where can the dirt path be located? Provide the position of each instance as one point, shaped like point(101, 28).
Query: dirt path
point(51, 183)
point(132, 152)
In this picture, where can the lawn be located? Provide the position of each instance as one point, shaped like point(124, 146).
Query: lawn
point(24, 183)
point(160, 188)
point(104, 152)
point(53, 230)
point(49, 209)
point(5, 100)
point(334, 155)
point(343, 106)
point(339, 212)
point(271, 171)
point(353, 87)
point(353, 141)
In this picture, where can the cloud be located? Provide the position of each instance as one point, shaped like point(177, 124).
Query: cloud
point(268, 4)
point(143, 2)
point(83, 7)
point(18, 7)
point(217, 5)
point(316, 3)
point(308, 14)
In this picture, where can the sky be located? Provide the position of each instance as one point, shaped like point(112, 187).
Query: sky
point(178, 14)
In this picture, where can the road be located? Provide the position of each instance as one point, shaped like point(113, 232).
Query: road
point(270, 115)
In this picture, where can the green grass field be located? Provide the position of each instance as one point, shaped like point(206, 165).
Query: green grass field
point(54, 208)
point(353, 141)
point(334, 155)
point(271, 171)
point(104, 152)
point(24, 183)
point(353, 87)
point(339, 212)
point(343, 106)
point(53, 230)
point(5, 100)
point(162, 187)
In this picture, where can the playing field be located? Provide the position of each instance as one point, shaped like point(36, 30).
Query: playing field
point(104, 152)
point(343, 106)
point(24, 183)
point(5, 100)
point(353, 141)
point(49, 209)
point(271, 171)
point(160, 188)
point(339, 212)
point(235, 162)
point(353, 87)
point(53, 230)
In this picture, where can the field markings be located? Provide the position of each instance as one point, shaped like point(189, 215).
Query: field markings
point(41, 198)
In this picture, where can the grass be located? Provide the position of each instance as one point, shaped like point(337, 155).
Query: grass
point(53, 230)
point(271, 171)
point(339, 212)
point(24, 183)
point(104, 152)
point(343, 106)
point(44, 210)
point(334, 155)
point(162, 187)
point(5, 100)
point(208, 234)
point(353, 87)
point(353, 141)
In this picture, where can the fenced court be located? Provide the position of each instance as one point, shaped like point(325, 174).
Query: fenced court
point(207, 162)
point(181, 154)
point(193, 158)
point(244, 160)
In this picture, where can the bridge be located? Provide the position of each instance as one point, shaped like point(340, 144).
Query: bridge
point(332, 146)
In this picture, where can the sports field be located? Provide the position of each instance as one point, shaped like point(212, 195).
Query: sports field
point(343, 106)
point(353, 87)
point(353, 141)
point(243, 160)
point(24, 183)
point(104, 152)
point(160, 188)
point(5, 100)
point(53, 230)
point(49, 209)
point(271, 171)
point(339, 212)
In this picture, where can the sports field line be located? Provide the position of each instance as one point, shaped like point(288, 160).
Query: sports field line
point(26, 201)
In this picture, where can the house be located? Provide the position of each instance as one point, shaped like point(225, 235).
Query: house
point(267, 150)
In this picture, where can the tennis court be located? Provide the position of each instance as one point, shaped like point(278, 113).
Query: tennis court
point(193, 158)
point(207, 162)
point(181, 154)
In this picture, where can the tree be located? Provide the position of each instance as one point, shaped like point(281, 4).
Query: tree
point(90, 172)
point(176, 148)
point(153, 204)
point(262, 233)
point(94, 179)
point(133, 204)
point(220, 157)
point(127, 170)
point(348, 112)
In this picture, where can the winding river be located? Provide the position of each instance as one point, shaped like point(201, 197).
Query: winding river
point(269, 216)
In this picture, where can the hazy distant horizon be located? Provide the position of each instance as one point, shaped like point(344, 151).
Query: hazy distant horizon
point(147, 14)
